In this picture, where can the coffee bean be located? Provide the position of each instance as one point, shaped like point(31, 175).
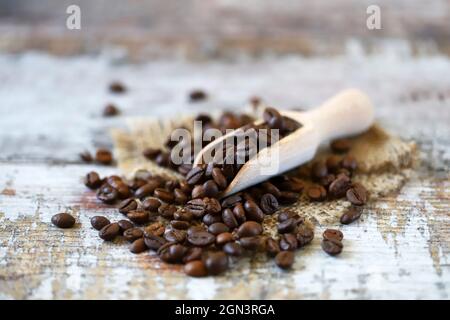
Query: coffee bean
point(285, 259)
point(333, 234)
point(164, 195)
point(216, 262)
point(151, 204)
point(288, 242)
point(341, 145)
point(319, 170)
point(268, 203)
point(124, 225)
point(193, 253)
point(86, 156)
point(287, 226)
point(229, 219)
point(285, 215)
point(209, 219)
point(332, 246)
point(231, 201)
point(287, 197)
point(167, 210)
point(333, 163)
point(305, 235)
point(198, 192)
point(197, 95)
point(98, 222)
point(349, 163)
point(357, 194)
point(63, 220)
point(201, 238)
point(185, 187)
point(133, 234)
point(127, 205)
point(103, 156)
point(195, 268)
point(253, 211)
point(212, 205)
point(239, 213)
point(196, 228)
point(151, 153)
point(163, 159)
point(344, 172)
point(176, 253)
point(184, 215)
point(210, 188)
point(109, 232)
point(154, 242)
point(107, 194)
point(327, 180)
point(155, 228)
point(271, 188)
point(92, 180)
point(223, 238)
point(339, 187)
point(180, 197)
point(174, 235)
point(293, 184)
point(272, 247)
point(195, 175)
point(253, 243)
point(180, 225)
point(249, 229)
point(316, 193)
point(138, 246)
point(147, 189)
point(197, 207)
point(117, 87)
point(110, 111)
point(219, 178)
point(233, 249)
point(218, 228)
point(352, 214)
point(273, 118)
point(138, 216)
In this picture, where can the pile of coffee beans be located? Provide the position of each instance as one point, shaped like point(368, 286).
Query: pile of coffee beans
point(187, 222)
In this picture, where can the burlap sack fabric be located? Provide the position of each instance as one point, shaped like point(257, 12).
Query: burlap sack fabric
point(385, 163)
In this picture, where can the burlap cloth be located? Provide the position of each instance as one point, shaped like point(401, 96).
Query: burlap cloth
point(385, 163)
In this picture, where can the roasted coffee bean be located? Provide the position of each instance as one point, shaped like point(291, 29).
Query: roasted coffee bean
point(271, 188)
point(229, 219)
point(344, 172)
point(151, 153)
point(180, 197)
point(316, 193)
point(136, 183)
point(103, 156)
point(193, 253)
point(350, 215)
point(151, 204)
point(239, 213)
point(138, 246)
point(272, 247)
point(146, 190)
point(167, 210)
point(332, 246)
point(86, 156)
point(268, 203)
point(219, 178)
point(209, 219)
point(197, 207)
point(273, 118)
point(195, 175)
point(197, 228)
point(223, 238)
point(216, 262)
point(176, 253)
point(98, 222)
point(212, 205)
point(287, 226)
point(349, 163)
point(155, 228)
point(305, 235)
point(109, 232)
point(117, 87)
point(339, 187)
point(289, 126)
point(184, 169)
point(127, 205)
point(138, 216)
point(233, 249)
point(92, 180)
point(288, 197)
point(107, 194)
point(218, 228)
point(288, 242)
point(185, 187)
point(154, 242)
point(253, 243)
point(197, 95)
point(319, 170)
point(201, 238)
point(174, 235)
point(253, 211)
point(163, 159)
point(195, 268)
point(249, 229)
point(285, 259)
point(180, 225)
point(164, 195)
point(124, 225)
point(210, 188)
point(231, 201)
point(285, 215)
point(293, 184)
point(110, 111)
point(327, 180)
point(184, 215)
point(170, 185)
point(63, 220)
point(123, 190)
point(197, 192)
point(133, 234)
point(341, 145)
point(333, 163)
point(357, 194)
point(333, 234)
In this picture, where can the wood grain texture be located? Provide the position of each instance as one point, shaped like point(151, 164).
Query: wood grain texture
point(50, 110)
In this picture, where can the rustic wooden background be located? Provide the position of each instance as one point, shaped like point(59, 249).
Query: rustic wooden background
point(50, 110)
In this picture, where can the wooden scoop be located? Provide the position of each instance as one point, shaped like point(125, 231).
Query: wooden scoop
point(348, 113)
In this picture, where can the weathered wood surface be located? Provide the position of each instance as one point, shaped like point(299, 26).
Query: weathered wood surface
point(50, 111)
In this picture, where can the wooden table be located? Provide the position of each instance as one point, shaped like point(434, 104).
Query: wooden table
point(50, 110)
